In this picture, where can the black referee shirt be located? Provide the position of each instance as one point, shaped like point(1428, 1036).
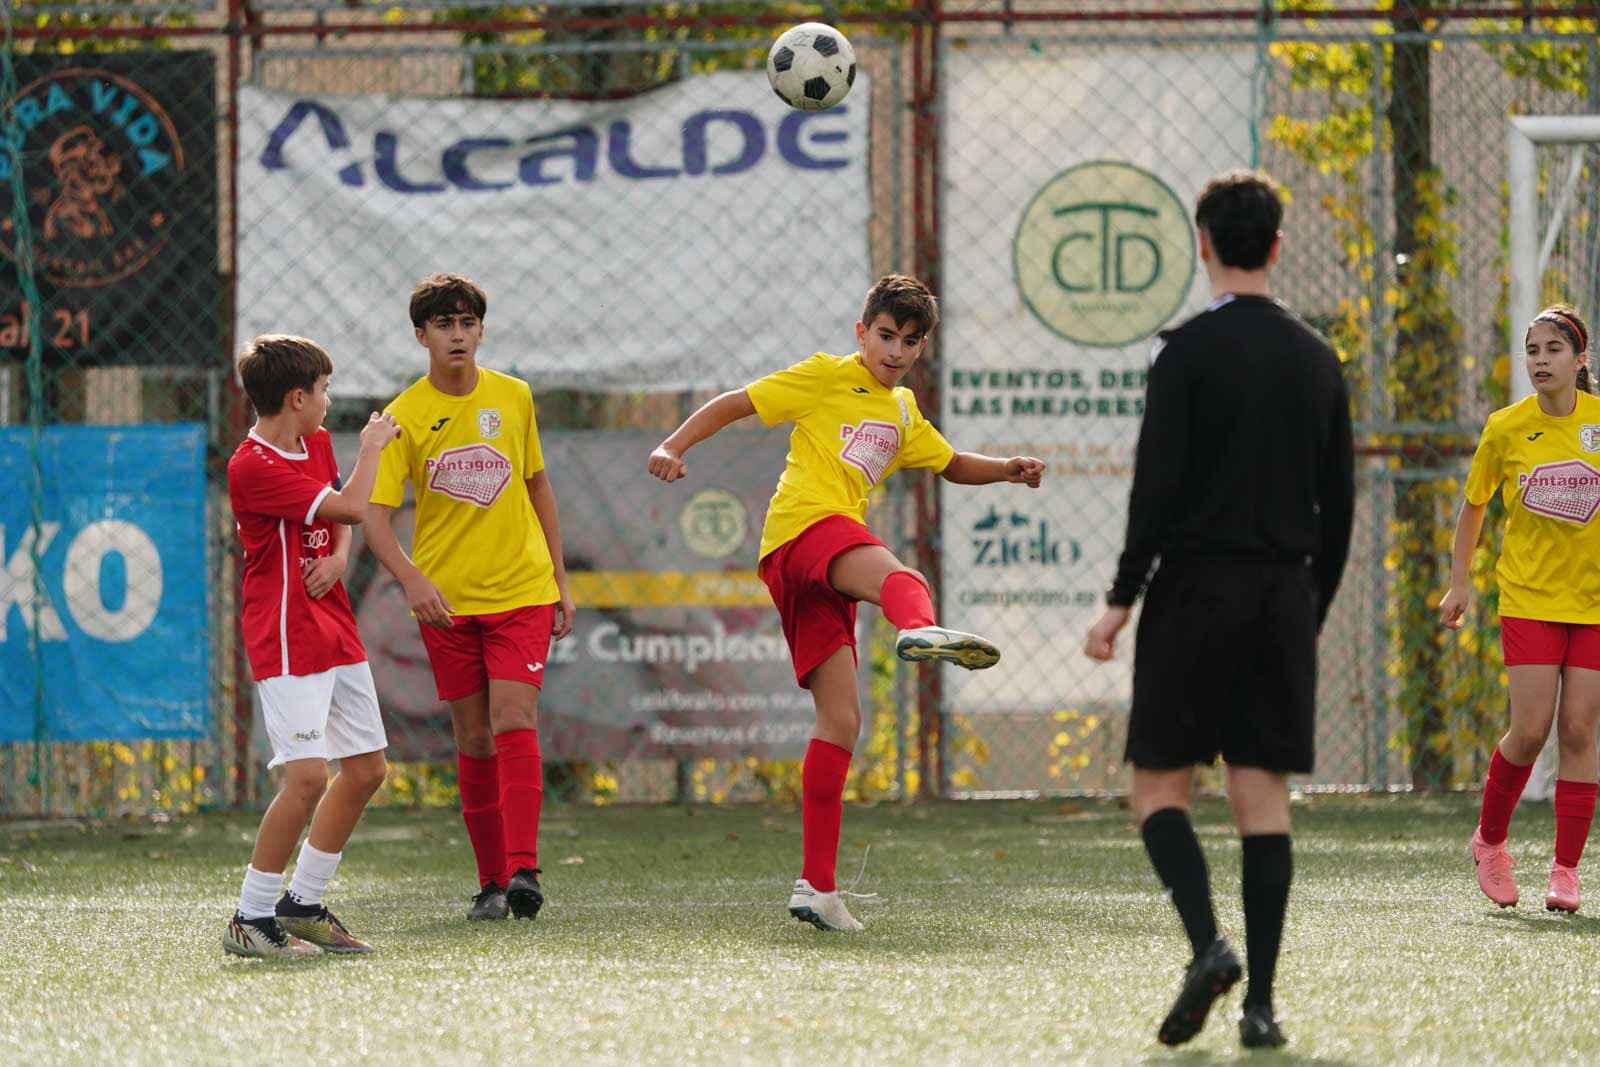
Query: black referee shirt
point(1245, 450)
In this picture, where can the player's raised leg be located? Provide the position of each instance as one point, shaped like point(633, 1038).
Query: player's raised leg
point(254, 929)
point(1533, 699)
point(872, 573)
point(514, 718)
point(1577, 719)
point(816, 898)
point(1260, 802)
point(1161, 804)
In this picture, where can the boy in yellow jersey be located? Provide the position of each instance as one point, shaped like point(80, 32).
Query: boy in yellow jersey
point(485, 577)
point(1544, 449)
point(853, 426)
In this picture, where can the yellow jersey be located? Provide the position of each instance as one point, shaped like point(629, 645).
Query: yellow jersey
point(850, 432)
point(468, 459)
point(1551, 471)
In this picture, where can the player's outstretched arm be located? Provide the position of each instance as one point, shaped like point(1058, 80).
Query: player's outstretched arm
point(422, 596)
point(349, 505)
point(543, 498)
point(1453, 606)
point(971, 468)
point(666, 462)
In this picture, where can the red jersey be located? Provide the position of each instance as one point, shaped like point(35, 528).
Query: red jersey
point(275, 496)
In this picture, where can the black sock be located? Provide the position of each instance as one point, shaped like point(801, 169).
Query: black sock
point(1268, 869)
point(1181, 866)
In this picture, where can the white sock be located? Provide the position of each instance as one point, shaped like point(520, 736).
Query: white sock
point(259, 897)
point(312, 873)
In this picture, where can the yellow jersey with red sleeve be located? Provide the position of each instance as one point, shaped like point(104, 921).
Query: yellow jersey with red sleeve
point(1550, 469)
point(467, 458)
point(850, 432)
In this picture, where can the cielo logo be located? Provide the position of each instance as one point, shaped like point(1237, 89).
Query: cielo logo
point(1104, 254)
point(109, 165)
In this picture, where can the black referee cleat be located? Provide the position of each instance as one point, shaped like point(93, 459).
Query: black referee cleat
point(1258, 1029)
point(1212, 974)
point(490, 903)
point(523, 893)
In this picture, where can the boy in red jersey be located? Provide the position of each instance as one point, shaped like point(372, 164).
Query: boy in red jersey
point(317, 697)
point(487, 586)
point(853, 426)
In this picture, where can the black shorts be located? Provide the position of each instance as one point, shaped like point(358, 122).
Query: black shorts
point(1225, 661)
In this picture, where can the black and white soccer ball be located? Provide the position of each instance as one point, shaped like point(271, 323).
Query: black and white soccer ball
point(811, 66)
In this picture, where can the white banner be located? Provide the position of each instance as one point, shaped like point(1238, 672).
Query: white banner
point(1065, 251)
point(697, 236)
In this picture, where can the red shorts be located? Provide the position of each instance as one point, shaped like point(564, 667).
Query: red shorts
point(1567, 644)
point(509, 645)
point(817, 619)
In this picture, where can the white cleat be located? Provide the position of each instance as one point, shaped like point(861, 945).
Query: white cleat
point(825, 911)
point(935, 642)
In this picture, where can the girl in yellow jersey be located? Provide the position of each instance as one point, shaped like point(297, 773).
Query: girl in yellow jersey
point(1546, 450)
point(853, 426)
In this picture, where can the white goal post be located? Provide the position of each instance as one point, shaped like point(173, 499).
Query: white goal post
point(1530, 250)
point(1530, 255)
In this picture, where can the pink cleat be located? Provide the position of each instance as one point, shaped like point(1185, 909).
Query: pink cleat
point(1563, 894)
point(1494, 865)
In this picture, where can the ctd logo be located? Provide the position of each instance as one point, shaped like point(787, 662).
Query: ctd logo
point(713, 523)
point(1104, 254)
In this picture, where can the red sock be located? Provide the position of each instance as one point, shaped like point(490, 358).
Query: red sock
point(905, 601)
point(480, 810)
point(521, 793)
point(1501, 791)
point(1574, 813)
point(821, 810)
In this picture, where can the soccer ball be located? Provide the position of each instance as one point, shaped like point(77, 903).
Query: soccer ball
point(811, 66)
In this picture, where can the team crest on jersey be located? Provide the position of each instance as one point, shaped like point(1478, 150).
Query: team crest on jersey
point(1589, 437)
point(476, 474)
point(1569, 491)
point(488, 422)
point(870, 447)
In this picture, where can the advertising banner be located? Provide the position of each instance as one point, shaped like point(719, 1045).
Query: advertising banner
point(1051, 316)
point(689, 237)
point(119, 545)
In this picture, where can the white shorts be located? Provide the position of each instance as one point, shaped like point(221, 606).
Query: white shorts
point(322, 716)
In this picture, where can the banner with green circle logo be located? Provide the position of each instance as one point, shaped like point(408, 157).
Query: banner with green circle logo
point(1104, 254)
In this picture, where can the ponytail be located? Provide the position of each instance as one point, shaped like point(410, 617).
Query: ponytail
point(1584, 384)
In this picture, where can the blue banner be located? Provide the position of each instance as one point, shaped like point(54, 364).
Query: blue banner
point(120, 544)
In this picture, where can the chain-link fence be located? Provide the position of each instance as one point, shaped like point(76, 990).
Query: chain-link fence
point(652, 226)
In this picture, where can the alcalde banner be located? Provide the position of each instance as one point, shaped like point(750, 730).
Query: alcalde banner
point(692, 237)
point(120, 177)
point(117, 645)
point(1052, 305)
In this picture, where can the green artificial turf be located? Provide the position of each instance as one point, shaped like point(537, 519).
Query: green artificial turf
point(1003, 933)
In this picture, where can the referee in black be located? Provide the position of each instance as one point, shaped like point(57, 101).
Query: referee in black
point(1238, 528)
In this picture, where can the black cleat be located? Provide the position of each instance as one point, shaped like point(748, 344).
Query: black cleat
point(490, 903)
point(1209, 976)
point(523, 893)
point(1258, 1029)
